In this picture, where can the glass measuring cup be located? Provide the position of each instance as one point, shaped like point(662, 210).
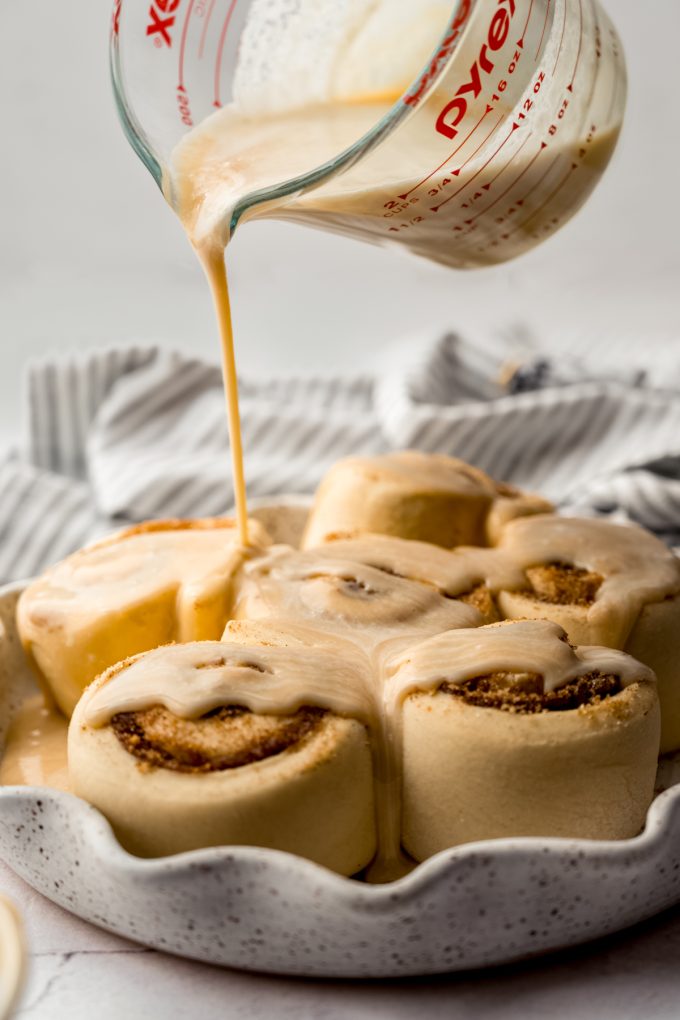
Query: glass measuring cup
point(467, 133)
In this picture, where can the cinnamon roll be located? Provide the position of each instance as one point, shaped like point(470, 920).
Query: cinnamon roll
point(458, 574)
point(147, 585)
point(428, 497)
point(508, 730)
point(209, 744)
point(509, 504)
point(366, 605)
point(607, 584)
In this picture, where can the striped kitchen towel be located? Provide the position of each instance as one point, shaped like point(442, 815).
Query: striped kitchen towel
point(141, 432)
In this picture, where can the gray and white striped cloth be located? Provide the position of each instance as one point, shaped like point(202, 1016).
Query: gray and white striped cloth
point(141, 432)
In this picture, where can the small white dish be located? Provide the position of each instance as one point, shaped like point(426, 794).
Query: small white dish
point(477, 905)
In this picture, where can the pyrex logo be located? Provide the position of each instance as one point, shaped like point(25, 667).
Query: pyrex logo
point(442, 54)
point(496, 36)
point(162, 14)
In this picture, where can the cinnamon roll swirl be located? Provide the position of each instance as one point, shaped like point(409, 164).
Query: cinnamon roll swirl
point(510, 731)
point(456, 575)
point(148, 585)
point(209, 744)
point(367, 605)
point(607, 584)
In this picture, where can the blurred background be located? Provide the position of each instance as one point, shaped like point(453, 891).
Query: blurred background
point(91, 256)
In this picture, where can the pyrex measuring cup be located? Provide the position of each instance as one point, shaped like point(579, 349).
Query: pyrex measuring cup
point(470, 132)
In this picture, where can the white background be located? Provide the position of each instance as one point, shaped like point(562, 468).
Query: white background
point(90, 254)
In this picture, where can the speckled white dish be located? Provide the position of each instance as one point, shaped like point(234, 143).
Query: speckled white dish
point(475, 906)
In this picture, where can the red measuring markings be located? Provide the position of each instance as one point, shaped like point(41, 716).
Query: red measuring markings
point(204, 33)
point(537, 184)
point(564, 26)
point(517, 179)
point(162, 14)
point(514, 156)
point(115, 23)
point(183, 45)
point(520, 42)
point(456, 173)
point(474, 176)
point(442, 54)
point(545, 25)
point(541, 207)
point(220, 51)
point(455, 111)
point(570, 86)
point(436, 170)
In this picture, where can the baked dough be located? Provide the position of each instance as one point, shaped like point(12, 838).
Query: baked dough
point(175, 766)
point(148, 585)
point(494, 751)
point(607, 584)
point(427, 497)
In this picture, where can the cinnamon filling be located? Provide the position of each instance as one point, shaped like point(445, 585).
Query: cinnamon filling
point(480, 598)
point(523, 694)
point(352, 586)
point(224, 739)
point(349, 585)
point(564, 585)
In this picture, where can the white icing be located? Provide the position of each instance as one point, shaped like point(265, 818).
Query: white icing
point(525, 646)
point(193, 679)
point(346, 596)
point(136, 567)
point(636, 567)
point(453, 572)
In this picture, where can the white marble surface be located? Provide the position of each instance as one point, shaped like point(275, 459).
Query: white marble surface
point(90, 256)
point(79, 972)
